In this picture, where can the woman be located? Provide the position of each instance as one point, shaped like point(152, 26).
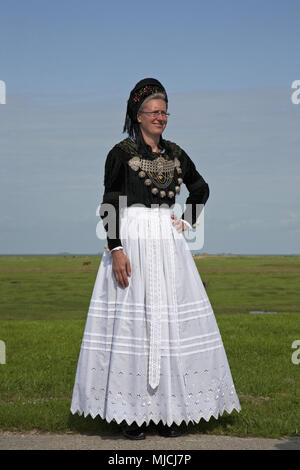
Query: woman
point(151, 348)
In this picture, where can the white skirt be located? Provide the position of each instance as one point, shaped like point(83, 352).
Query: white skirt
point(152, 350)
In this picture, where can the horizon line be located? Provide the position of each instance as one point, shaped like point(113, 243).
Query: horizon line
point(196, 253)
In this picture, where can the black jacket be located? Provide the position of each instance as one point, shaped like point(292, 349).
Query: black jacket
point(123, 179)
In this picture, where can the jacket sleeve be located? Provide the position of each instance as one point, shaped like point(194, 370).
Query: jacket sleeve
point(113, 188)
point(198, 192)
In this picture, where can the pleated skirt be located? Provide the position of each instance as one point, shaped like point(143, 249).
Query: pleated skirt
point(152, 351)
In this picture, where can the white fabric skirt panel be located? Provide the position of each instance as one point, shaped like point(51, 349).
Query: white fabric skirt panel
point(152, 350)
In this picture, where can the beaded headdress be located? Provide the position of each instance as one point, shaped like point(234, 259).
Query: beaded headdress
point(140, 92)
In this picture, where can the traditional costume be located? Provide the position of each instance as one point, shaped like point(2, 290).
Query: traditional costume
point(151, 351)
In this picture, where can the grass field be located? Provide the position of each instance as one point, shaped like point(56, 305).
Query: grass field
point(44, 303)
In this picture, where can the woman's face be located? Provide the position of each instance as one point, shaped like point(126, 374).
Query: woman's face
point(150, 124)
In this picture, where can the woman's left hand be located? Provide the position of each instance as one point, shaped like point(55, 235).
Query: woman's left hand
point(178, 224)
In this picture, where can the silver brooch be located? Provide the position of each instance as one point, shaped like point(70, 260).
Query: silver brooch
point(158, 172)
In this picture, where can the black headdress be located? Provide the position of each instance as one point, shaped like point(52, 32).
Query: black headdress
point(140, 92)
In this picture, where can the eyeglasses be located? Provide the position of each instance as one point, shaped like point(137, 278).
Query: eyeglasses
point(155, 114)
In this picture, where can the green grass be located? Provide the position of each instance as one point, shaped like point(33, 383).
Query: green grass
point(44, 302)
point(238, 284)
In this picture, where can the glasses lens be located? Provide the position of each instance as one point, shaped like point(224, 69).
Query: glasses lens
point(158, 113)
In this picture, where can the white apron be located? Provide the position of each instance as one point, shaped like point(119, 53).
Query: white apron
point(152, 350)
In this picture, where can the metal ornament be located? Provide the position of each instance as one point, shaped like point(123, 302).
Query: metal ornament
point(159, 172)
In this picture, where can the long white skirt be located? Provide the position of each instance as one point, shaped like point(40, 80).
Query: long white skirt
point(152, 350)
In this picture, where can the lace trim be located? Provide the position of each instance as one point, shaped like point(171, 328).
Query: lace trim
point(142, 310)
point(130, 304)
point(115, 343)
point(202, 399)
point(146, 353)
point(133, 338)
point(120, 316)
point(156, 417)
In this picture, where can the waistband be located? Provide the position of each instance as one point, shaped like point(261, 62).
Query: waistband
point(139, 211)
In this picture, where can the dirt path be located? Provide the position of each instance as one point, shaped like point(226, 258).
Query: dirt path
point(49, 441)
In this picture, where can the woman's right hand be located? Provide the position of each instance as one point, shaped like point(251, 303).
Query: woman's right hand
point(121, 267)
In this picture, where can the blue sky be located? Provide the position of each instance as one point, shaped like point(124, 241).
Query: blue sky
point(227, 66)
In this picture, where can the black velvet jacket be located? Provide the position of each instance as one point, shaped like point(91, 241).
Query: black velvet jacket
point(123, 178)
